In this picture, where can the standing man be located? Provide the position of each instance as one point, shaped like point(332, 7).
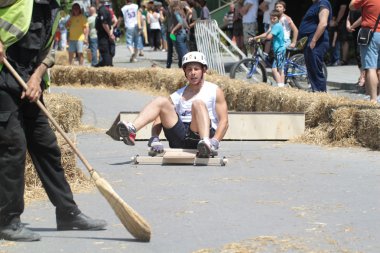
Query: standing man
point(106, 39)
point(370, 53)
point(133, 29)
point(228, 21)
point(314, 26)
point(23, 126)
point(93, 37)
point(205, 12)
point(249, 13)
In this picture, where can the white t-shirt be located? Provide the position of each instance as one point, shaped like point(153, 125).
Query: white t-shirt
point(154, 20)
point(286, 21)
point(266, 15)
point(129, 12)
point(251, 15)
point(207, 94)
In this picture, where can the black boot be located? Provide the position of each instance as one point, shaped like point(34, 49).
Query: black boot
point(79, 221)
point(15, 231)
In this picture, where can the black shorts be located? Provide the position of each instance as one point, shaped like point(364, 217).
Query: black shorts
point(181, 136)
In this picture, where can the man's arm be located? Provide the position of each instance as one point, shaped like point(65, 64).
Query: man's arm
point(342, 10)
point(357, 23)
point(244, 10)
point(119, 20)
point(34, 91)
point(222, 113)
point(108, 31)
point(85, 32)
point(294, 29)
point(264, 35)
point(323, 19)
point(354, 5)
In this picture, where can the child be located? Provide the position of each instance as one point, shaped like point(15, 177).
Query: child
point(276, 34)
point(287, 25)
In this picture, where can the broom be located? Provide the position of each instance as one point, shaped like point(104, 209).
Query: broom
point(131, 220)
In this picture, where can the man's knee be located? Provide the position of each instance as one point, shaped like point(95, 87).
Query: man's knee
point(162, 101)
point(198, 105)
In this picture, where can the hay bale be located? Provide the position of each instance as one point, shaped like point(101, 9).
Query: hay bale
point(65, 109)
point(344, 123)
point(322, 110)
point(75, 177)
point(319, 135)
point(368, 128)
point(62, 58)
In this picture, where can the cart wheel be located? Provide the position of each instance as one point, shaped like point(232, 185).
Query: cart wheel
point(223, 161)
point(134, 159)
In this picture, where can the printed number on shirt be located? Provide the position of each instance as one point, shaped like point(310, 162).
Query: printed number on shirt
point(131, 14)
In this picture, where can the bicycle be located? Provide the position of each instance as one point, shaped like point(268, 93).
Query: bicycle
point(253, 69)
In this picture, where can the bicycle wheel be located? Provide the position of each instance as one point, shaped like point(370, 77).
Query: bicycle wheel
point(298, 72)
point(248, 70)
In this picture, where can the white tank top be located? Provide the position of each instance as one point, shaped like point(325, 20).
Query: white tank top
point(207, 94)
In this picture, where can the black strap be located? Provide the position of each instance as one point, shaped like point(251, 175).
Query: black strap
point(374, 28)
point(377, 22)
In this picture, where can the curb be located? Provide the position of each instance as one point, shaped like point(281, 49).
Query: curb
point(344, 86)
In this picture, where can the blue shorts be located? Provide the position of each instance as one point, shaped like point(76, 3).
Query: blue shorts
point(181, 136)
point(133, 38)
point(370, 54)
point(76, 46)
point(279, 60)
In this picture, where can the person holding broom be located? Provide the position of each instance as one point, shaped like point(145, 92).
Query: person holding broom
point(23, 126)
point(194, 116)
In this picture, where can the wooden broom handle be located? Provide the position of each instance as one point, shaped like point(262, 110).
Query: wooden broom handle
point(50, 117)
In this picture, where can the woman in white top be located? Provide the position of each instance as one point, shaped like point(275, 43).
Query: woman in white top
point(153, 18)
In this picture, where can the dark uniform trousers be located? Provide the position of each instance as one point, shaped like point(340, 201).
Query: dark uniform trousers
point(106, 49)
point(24, 126)
point(314, 59)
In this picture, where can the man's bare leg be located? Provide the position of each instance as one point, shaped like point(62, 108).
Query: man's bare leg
point(372, 83)
point(200, 123)
point(200, 120)
point(71, 57)
point(159, 107)
point(156, 146)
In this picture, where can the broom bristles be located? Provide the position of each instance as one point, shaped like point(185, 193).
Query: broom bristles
point(131, 220)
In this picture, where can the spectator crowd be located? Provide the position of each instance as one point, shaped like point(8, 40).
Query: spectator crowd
point(331, 28)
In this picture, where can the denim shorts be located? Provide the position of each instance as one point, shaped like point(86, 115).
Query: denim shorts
point(181, 136)
point(133, 38)
point(279, 60)
point(76, 46)
point(370, 54)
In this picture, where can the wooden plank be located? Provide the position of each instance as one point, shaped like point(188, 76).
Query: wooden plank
point(157, 160)
point(265, 126)
point(245, 125)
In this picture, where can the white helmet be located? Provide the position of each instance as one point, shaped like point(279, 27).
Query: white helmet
point(194, 56)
